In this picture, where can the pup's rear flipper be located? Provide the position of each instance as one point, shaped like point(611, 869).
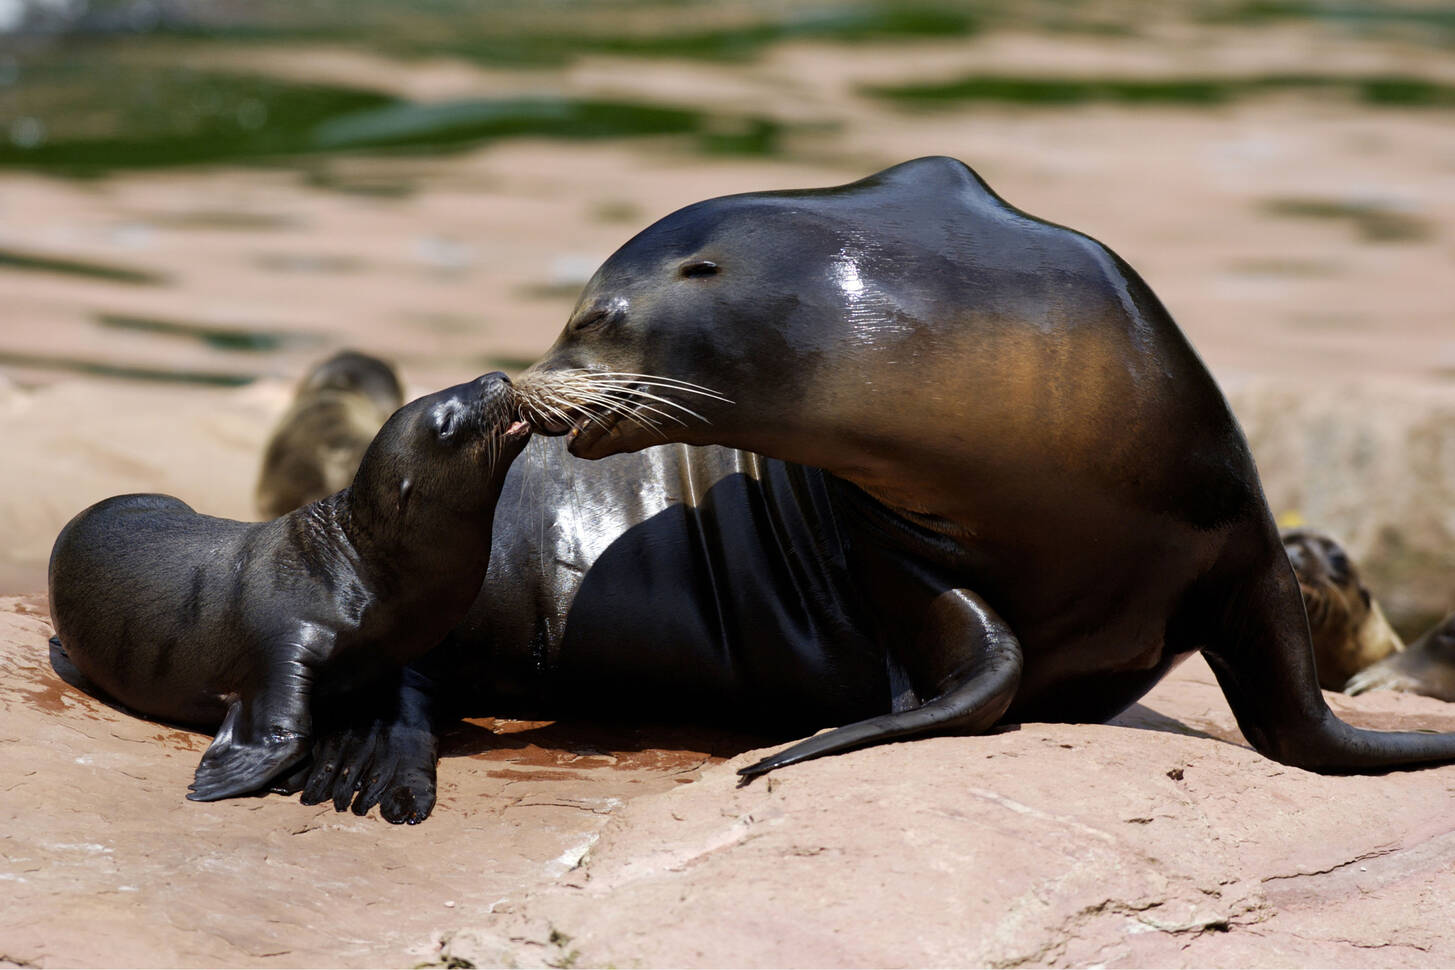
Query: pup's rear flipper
point(241, 760)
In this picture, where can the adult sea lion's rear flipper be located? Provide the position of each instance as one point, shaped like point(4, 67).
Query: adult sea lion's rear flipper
point(1265, 666)
point(261, 737)
point(974, 669)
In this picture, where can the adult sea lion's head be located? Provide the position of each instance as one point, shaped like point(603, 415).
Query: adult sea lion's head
point(768, 321)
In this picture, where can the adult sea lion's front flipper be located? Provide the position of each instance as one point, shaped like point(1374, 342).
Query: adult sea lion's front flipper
point(973, 669)
point(263, 734)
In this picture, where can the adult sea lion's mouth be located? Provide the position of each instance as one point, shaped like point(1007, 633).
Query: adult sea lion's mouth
point(590, 429)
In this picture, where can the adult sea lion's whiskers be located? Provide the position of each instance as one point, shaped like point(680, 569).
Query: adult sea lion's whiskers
point(581, 398)
point(665, 382)
point(634, 387)
point(592, 395)
point(637, 395)
point(630, 407)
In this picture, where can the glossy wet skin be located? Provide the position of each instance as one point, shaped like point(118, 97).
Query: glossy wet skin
point(879, 334)
point(213, 622)
point(963, 469)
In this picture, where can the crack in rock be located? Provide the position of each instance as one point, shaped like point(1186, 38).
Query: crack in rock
point(1363, 857)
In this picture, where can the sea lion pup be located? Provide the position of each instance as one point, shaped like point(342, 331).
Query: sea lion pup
point(1427, 667)
point(971, 474)
point(315, 449)
point(210, 622)
point(1348, 627)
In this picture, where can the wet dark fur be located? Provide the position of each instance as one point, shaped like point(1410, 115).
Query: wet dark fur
point(1348, 627)
point(236, 626)
point(971, 474)
point(1427, 667)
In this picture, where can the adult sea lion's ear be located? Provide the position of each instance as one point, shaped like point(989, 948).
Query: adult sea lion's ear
point(406, 486)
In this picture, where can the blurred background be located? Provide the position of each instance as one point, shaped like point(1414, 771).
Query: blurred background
point(199, 199)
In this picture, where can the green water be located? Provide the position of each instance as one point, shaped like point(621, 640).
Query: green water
point(129, 87)
point(1434, 21)
point(124, 116)
point(250, 340)
point(1376, 91)
point(1372, 222)
point(842, 24)
point(96, 368)
point(537, 34)
point(36, 263)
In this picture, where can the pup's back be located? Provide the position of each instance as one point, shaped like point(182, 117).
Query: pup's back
point(128, 580)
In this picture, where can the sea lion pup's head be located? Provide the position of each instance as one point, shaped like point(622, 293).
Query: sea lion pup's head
point(1348, 627)
point(434, 472)
point(314, 451)
point(353, 372)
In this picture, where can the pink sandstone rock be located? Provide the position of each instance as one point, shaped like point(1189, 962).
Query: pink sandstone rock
point(1160, 839)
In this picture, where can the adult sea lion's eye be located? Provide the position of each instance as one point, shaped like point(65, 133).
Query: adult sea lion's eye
point(591, 321)
point(699, 267)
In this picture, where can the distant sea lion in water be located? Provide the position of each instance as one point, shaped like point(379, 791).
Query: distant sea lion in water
point(981, 478)
point(213, 622)
point(314, 451)
point(1427, 667)
point(1348, 627)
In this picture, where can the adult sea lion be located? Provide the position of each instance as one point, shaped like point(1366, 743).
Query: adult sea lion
point(1347, 624)
point(212, 622)
point(314, 451)
point(972, 473)
point(1427, 667)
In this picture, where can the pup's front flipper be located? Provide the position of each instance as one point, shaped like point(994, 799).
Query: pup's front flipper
point(260, 738)
point(381, 752)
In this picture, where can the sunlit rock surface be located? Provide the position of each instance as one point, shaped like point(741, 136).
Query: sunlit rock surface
point(1158, 840)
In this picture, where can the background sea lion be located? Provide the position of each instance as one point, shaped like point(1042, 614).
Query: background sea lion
point(338, 408)
point(983, 478)
point(1347, 625)
point(213, 622)
point(1427, 667)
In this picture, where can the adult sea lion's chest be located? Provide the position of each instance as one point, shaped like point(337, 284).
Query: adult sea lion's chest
point(676, 580)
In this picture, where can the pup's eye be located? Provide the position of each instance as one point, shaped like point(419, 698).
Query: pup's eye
point(699, 267)
point(444, 421)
